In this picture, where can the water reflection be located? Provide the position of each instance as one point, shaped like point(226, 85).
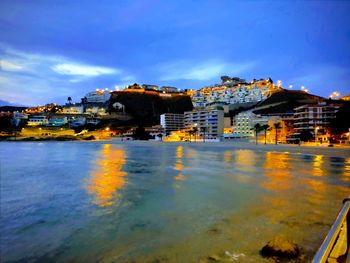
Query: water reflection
point(227, 158)
point(277, 169)
point(107, 179)
point(245, 160)
point(317, 166)
point(179, 166)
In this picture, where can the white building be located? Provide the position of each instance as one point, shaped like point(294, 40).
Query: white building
point(73, 109)
point(172, 122)
point(244, 123)
point(57, 120)
point(96, 110)
point(208, 122)
point(37, 120)
point(235, 92)
point(98, 96)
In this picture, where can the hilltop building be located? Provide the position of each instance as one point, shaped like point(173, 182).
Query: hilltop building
point(233, 90)
point(150, 86)
point(98, 96)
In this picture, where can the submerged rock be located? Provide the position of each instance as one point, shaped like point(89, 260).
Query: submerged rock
point(280, 247)
point(214, 257)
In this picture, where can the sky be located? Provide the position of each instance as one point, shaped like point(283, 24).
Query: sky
point(52, 50)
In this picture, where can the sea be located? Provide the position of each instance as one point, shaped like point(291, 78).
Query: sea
point(110, 201)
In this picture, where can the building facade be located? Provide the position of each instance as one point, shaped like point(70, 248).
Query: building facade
point(172, 122)
point(314, 118)
point(98, 96)
point(37, 120)
point(209, 123)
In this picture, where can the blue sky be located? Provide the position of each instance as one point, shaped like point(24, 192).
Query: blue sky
point(50, 50)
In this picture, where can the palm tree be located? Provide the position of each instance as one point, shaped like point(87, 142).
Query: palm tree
point(277, 127)
point(69, 100)
point(265, 127)
point(257, 128)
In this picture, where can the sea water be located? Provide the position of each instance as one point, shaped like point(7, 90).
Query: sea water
point(162, 202)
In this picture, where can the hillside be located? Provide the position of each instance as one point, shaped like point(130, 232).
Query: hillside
point(146, 107)
point(285, 101)
point(12, 108)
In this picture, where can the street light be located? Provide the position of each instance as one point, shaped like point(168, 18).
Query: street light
point(316, 129)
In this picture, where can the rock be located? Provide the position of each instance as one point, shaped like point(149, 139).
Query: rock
point(214, 257)
point(280, 247)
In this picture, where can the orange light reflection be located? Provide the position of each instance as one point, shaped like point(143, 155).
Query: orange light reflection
point(108, 178)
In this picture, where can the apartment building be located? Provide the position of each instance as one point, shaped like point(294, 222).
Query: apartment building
point(172, 122)
point(314, 118)
point(208, 122)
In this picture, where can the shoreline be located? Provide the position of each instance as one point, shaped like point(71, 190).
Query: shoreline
point(305, 149)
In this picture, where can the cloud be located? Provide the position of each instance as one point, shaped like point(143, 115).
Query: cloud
point(15, 60)
point(31, 78)
point(205, 70)
point(82, 70)
point(9, 66)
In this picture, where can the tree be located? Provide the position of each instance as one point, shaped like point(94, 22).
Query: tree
point(69, 100)
point(257, 128)
point(265, 127)
point(277, 127)
point(191, 132)
point(140, 133)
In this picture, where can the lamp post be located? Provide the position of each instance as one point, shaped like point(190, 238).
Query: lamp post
point(316, 129)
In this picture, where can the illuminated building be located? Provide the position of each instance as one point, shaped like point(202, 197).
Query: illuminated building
point(37, 120)
point(57, 120)
point(234, 90)
point(73, 109)
point(98, 96)
point(244, 123)
point(208, 122)
point(149, 87)
point(314, 118)
point(172, 122)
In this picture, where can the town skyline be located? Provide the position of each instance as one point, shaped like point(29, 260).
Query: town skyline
point(52, 51)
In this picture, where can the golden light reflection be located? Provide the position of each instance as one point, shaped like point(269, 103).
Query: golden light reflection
point(227, 158)
point(108, 178)
point(347, 169)
point(317, 166)
point(277, 166)
point(245, 160)
point(179, 166)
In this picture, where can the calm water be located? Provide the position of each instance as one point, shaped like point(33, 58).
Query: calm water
point(158, 202)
